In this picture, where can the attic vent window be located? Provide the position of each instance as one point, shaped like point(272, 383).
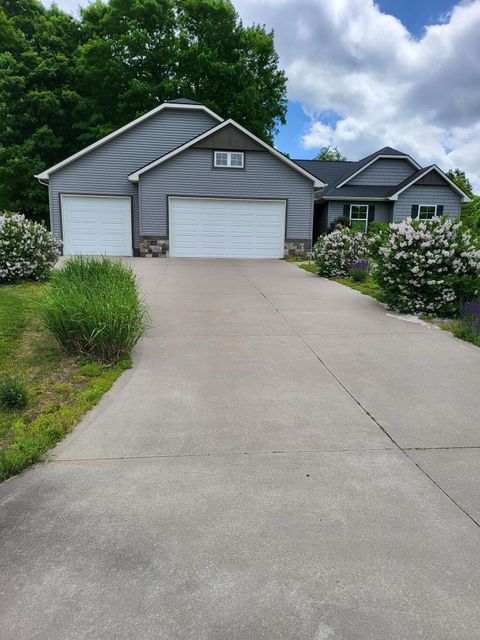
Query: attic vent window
point(229, 159)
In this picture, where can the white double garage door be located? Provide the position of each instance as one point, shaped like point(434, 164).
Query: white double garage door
point(198, 227)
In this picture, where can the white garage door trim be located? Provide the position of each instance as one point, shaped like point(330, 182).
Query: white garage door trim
point(102, 235)
point(230, 246)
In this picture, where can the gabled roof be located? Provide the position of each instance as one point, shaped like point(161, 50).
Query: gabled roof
point(180, 103)
point(135, 176)
point(386, 152)
point(336, 174)
point(418, 175)
point(329, 171)
point(362, 191)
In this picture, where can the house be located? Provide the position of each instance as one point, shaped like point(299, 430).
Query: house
point(386, 186)
point(183, 180)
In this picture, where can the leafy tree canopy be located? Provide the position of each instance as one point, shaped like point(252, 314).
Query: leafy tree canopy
point(65, 81)
point(330, 153)
point(458, 176)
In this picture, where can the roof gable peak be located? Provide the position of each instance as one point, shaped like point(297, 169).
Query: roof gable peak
point(174, 104)
point(385, 152)
point(135, 176)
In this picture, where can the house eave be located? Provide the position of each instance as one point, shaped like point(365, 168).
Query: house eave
point(359, 198)
point(45, 175)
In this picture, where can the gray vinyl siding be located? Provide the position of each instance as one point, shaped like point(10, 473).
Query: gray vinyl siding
point(384, 171)
point(383, 210)
point(105, 170)
point(446, 196)
point(191, 173)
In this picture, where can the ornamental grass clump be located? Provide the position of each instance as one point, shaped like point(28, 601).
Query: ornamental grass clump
point(13, 394)
point(28, 250)
point(423, 266)
point(336, 253)
point(93, 308)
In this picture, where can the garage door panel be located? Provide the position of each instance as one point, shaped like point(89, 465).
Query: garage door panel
point(96, 225)
point(222, 228)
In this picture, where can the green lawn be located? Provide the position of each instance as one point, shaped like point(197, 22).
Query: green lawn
point(61, 388)
point(368, 288)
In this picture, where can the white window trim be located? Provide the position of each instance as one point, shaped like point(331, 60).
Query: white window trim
point(426, 205)
point(359, 204)
point(229, 164)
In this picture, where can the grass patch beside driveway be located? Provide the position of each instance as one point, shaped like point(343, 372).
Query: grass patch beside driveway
point(368, 288)
point(61, 387)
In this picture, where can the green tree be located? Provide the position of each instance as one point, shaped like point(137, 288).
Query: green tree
point(470, 212)
point(65, 82)
point(330, 153)
point(36, 99)
point(458, 176)
point(138, 53)
point(126, 64)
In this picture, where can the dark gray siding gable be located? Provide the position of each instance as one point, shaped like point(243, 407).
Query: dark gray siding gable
point(105, 170)
point(385, 171)
point(229, 137)
point(418, 194)
point(191, 173)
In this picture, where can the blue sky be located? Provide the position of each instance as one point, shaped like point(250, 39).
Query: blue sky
point(414, 14)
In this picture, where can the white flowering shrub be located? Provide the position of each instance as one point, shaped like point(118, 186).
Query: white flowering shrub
point(423, 266)
point(27, 249)
point(336, 253)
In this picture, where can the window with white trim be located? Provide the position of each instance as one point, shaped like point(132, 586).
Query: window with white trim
point(359, 217)
point(427, 211)
point(229, 159)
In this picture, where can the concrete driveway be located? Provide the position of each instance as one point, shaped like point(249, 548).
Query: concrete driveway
point(286, 460)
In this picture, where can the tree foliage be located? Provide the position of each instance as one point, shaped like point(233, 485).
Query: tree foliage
point(65, 81)
point(458, 176)
point(470, 213)
point(330, 153)
point(36, 99)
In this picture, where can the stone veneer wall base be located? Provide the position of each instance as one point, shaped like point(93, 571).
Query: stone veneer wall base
point(300, 248)
point(157, 247)
point(153, 247)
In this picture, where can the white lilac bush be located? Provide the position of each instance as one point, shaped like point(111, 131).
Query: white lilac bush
point(336, 253)
point(423, 267)
point(27, 249)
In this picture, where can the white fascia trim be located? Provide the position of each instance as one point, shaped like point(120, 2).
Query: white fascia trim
point(434, 167)
point(356, 198)
point(134, 177)
point(408, 158)
point(166, 105)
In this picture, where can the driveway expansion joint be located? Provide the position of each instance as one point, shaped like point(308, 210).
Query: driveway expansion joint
point(363, 408)
point(213, 454)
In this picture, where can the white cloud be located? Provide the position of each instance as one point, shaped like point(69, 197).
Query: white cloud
point(320, 135)
point(346, 56)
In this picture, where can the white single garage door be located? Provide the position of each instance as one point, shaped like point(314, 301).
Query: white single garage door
point(222, 228)
point(96, 225)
